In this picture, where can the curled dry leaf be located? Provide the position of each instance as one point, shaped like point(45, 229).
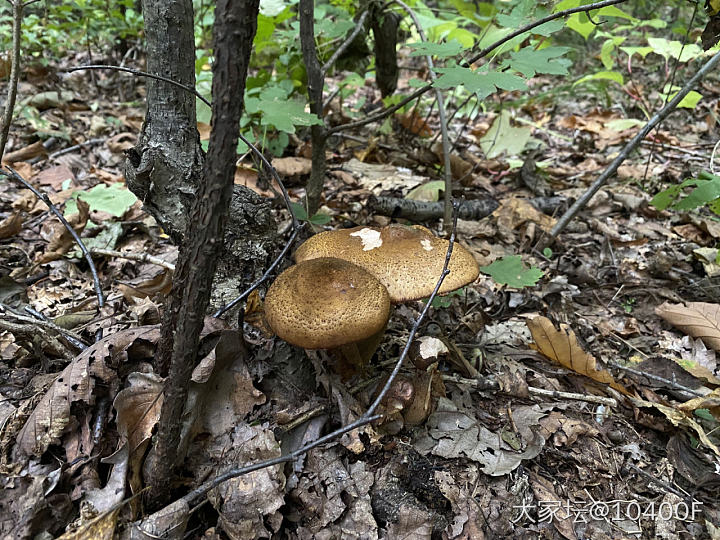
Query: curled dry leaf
point(679, 418)
point(11, 225)
point(562, 347)
point(138, 408)
point(710, 401)
point(76, 382)
point(698, 319)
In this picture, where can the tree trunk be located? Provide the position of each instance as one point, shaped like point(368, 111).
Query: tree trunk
point(233, 33)
point(316, 82)
point(165, 167)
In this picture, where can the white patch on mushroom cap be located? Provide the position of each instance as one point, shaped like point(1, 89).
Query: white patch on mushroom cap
point(426, 244)
point(369, 237)
point(431, 347)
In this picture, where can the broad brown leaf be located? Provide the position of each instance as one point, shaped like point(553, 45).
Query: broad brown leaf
point(562, 347)
point(697, 319)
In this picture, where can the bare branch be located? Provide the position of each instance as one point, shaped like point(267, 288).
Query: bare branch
point(630, 146)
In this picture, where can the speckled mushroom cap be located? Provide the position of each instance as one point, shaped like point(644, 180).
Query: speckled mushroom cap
point(325, 303)
point(407, 260)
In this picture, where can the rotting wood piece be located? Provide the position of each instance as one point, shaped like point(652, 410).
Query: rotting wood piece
point(425, 211)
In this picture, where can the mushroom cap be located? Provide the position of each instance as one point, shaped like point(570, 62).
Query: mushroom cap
point(407, 260)
point(325, 303)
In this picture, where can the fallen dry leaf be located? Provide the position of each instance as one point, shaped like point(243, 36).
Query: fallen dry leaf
point(121, 142)
point(514, 212)
point(698, 319)
point(11, 225)
point(54, 177)
point(61, 240)
point(710, 401)
point(76, 382)
point(292, 166)
point(138, 408)
point(562, 347)
point(26, 153)
point(679, 418)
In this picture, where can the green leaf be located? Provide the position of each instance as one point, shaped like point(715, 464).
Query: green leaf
point(674, 49)
point(441, 50)
point(445, 300)
point(705, 192)
point(510, 271)
point(549, 28)
point(668, 196)
point(580, 23)
point(464, 37)
point(320, 219)
point(107, 238)
point(529, 61)
point(642, 51)
point(690, 101)
point(115, 200)
point(283, 114)
point(482, 82)
point(299, 210)
point(621, 124)
point(502, 137)
point(602, 75)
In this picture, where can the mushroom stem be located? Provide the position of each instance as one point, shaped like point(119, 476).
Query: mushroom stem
point(368, 346)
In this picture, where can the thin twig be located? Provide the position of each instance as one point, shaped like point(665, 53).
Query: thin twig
point(202, 98)
point(422, 90)
point(558, 15)
point(669, 87)
point(140, 257)
point(17, 11)
point(44, 198)
point(443, 120)
point(367, 417)
point(487, 385)
point(630, 146)
point(64, 151)
point(71, 337)
point(341, 49)
point(262, 279)
point(657, 378)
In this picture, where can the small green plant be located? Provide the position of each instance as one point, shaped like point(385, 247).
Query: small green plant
point(512, 272)
point(628, 305)
point(315, 219)
point(705, 192)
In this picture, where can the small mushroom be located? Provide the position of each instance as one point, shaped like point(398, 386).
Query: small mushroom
point(407, 260)
point(329, 303)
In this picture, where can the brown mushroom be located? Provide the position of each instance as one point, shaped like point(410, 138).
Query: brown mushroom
point(407, 260)
point(329, 303)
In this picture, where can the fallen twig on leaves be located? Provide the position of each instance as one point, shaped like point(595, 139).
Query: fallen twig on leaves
point(12, 173)
point(630, 146)
point(425, 211)
point(447, 172)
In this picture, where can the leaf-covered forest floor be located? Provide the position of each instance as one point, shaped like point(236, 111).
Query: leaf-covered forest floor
point(485, 448)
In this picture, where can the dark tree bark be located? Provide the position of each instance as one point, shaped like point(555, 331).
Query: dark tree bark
point(233, 33)
point(164, 169)
point(316, 82)
point(385, 30)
